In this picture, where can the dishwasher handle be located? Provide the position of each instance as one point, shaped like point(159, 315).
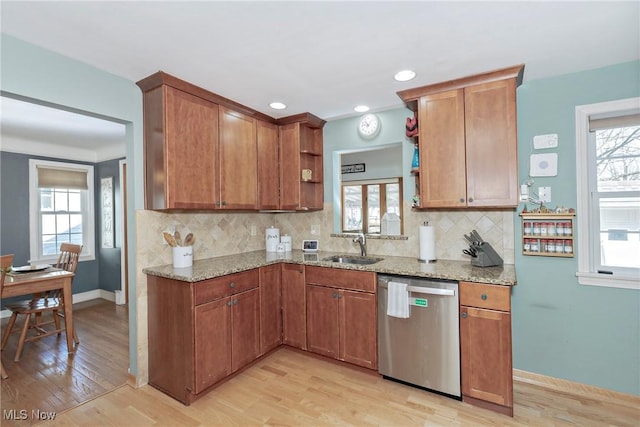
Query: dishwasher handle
point(431, 291)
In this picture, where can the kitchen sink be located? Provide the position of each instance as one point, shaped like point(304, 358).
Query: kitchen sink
point(350, 259)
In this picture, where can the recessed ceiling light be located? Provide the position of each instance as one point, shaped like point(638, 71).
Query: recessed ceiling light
point(404, 75)
point(277, 106)
point(361, 108)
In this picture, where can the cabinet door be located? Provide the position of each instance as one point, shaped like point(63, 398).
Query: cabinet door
point(268, 166)
point(238, 161)
point(322, 320)
point(290, 170)
point(491, 144)
point(245, 328)
point(294, 330)
point(358, 329)
point(190, 163)
point(442, 150)
point(485, 351)
point(270, 308)
point(212, 343)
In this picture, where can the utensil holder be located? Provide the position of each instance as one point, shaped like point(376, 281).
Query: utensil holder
point(182, 256)
point(487, 256)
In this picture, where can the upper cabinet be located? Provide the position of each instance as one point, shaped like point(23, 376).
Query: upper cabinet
point(206, 152)
point(467, 140)
point(301, 173)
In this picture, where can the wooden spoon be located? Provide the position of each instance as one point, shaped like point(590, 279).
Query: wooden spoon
point(189, 240)
point(178, 238)
point(169, 238)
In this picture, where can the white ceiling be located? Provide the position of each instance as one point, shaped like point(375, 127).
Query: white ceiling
point(328, 57)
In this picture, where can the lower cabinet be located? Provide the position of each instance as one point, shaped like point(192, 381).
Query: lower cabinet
point(199, 333)
point(294, 331)
point(341, 315)
point(270, 307)
point(485, 346)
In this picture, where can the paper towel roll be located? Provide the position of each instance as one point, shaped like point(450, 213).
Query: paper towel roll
point(427, 243)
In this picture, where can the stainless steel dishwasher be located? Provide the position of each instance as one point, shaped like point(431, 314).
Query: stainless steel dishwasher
point(424, 349)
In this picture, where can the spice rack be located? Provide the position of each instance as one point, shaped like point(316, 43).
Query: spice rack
point(549, 235)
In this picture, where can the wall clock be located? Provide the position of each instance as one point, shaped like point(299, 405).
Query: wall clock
point(369, 126)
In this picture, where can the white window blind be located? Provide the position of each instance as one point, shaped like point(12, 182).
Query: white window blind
point(49, 177)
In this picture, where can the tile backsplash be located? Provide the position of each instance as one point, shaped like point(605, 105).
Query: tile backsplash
point(219, 234)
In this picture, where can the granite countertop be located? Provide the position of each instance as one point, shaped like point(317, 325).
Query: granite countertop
point(442, 269)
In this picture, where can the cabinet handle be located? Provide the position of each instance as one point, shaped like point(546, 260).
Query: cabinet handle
point(232, 285)
point(483, 296)
point(464, 314)
point(228, 303)
point(470, 199)
point(235, 301)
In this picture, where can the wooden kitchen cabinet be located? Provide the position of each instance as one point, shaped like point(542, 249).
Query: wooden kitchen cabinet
point(270, 307)
point(294, 330)
point(341, 315)
point(467, 140)
point(268, 166)
point(180, 147)
point(485, 346)
point(238, 154)
point(201, 332)
point(301, 160)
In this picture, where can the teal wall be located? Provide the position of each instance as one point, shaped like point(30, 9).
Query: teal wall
point(342, 134)
point(588, 334)
point(52, 79)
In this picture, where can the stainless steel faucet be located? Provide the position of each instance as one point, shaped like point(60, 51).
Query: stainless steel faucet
point(362, 241)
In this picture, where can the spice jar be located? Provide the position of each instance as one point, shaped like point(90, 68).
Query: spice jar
point(536, 228)
point(527, 228)
point(543, 228)
point(568, 246)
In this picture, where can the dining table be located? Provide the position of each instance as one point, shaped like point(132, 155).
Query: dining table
point(37, 282)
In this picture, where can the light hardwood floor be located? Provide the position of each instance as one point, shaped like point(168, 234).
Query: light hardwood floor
point(288, 388)
point(47, 379)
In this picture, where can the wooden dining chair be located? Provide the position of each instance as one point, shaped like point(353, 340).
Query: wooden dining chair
point(52, 302)
point(6, 261)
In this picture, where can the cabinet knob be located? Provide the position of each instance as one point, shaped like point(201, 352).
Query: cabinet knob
point(461, 200)
point(470, 199)
point(218, 203)
point(300, 270)
point(483, 296)
point(224, 203)
point(228, 303)
point(339, 296)
point(464, 315)
point(232, 285)
point(333, 295)
point(235, 301)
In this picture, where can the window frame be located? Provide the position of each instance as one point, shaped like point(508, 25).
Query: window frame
point(35, 222)
point(363, 184)
point(588, 225)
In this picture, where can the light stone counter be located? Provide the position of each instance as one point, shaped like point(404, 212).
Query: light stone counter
point(442, 269)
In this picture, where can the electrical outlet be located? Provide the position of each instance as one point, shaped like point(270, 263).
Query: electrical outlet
point(254, 231)
point(544, 194)
point(524, 193)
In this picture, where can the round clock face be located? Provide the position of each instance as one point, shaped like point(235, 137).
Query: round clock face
point(369, 126)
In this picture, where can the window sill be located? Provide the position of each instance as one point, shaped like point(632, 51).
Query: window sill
point(605, 280)
point(371, 236)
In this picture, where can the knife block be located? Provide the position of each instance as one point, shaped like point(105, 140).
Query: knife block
point(487, 256)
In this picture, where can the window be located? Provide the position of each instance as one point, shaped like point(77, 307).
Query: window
point(375, 198)
point(60, 209)
point(608, 169)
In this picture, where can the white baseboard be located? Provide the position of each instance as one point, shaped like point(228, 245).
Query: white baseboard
point(81, 297)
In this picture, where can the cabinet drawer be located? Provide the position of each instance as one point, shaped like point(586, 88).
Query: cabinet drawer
point(212, 289)
point(494, 297)
point(339, 278)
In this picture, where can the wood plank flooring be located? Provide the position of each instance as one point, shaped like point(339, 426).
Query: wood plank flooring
point(47, 379)
point(288, 388)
